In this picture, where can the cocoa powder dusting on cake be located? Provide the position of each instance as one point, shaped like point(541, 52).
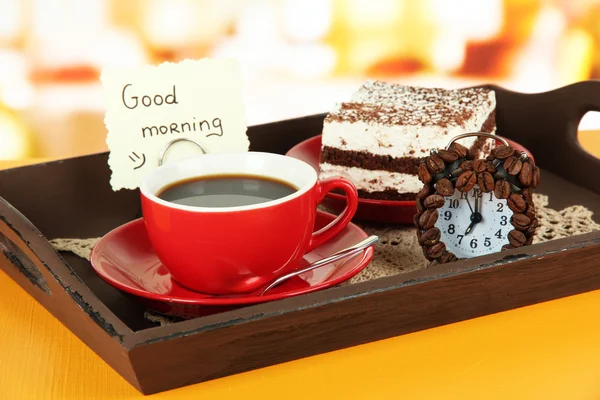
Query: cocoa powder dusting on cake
point(382, 103)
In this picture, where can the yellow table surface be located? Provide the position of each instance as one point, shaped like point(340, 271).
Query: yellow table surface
point(546, 351)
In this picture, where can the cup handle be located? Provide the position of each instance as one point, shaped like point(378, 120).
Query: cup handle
point(323, 187)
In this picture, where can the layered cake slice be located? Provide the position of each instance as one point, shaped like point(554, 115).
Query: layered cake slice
point(378, 139)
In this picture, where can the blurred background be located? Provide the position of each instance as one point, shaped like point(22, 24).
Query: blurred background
point(299, 57)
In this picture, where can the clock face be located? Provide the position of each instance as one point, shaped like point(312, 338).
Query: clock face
point(474, 223)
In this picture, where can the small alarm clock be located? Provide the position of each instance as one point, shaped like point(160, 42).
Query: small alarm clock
point(471, 207)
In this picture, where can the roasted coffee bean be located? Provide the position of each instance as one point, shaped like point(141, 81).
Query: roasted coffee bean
point(434, 201)
point(446, 258)
point(445, 187)
point(428, 218)
point(503, 152)
point(435, 164)
point(459, 149)
point(502, 189)
point(516, 202)
point(526, 193)
point(535, 177)
point(420, 206)
point(529, 240)
point(520, 221)
point(507, 247)
point(530, 212)
point(490, 168)
point(479, 165)
point(424, 174)
point(430, 237)
point(416, 218)
point(447, 156)
point(426, 254)
point(466, 181)
point(424, 192)
point(466, 165)
point(437, 250)
point(532, 227)
point(485, 180)
point(516, 238)
point(526, 174)
point(490, 158)
point(513, 165)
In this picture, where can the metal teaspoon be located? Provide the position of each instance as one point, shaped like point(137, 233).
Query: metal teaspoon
point(352, 250)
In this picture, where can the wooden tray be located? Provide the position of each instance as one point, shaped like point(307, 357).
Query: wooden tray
point(72, 198)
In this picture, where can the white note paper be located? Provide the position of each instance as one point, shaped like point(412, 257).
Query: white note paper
point(148, 107)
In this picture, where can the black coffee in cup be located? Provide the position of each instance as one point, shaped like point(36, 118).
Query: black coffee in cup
point(226, 191)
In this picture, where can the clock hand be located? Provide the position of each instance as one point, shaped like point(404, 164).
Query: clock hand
point(470, 204)
point(470, 228)
point(476, 216)
point(475, 219)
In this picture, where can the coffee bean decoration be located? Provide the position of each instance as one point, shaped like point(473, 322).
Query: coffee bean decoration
point(428, 218)
point(437, 250)
point(530, 211)
point(479, 165)
point(516, 238)
point(434, 201)
point(416, 219)
point(430, 237)
point(532, 227)
point(420, 205)
point(513, 165)
point(526, 193)
point(502, 152)
point(466, 181)
point(424, 192)
point(526, 174)
point(535, 177)
point(490, 168)
point(507, 173)
point(502, 189)
point(459, 149)
point(516, 203)
point(466, 165)
point(485, 180)
point(444, 187)
point(435, 164)
point(446, 258)
point(423, 173)
point(447, 155)
point(520, 221)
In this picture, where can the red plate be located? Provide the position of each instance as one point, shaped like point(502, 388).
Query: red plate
point(390, 211)
point(125, 259)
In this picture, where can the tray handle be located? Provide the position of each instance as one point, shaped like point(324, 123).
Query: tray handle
point(547, 124)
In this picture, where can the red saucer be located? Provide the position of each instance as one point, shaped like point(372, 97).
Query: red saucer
point(125, 259)
point(389, 211)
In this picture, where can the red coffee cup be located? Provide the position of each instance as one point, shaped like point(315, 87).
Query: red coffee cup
point(234, 250)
